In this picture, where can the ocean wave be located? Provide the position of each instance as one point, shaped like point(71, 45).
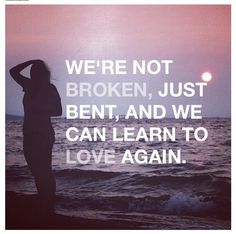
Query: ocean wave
point(177, 204)
point(89, 174)
point(152, 193)
point(170, 177)
point(227, 143)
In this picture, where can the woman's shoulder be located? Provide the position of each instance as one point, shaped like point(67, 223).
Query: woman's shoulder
point(54, 89)
point(52, 86)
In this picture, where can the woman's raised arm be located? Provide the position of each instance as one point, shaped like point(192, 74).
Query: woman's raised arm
point(16, 73)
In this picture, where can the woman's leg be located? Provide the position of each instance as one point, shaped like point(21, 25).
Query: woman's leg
point(38, 154)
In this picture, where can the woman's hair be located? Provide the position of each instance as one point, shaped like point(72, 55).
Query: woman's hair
point(40, 73)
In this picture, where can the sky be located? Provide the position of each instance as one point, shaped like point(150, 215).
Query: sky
point(196, 37)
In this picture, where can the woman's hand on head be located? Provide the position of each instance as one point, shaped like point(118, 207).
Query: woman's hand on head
point(36, 61)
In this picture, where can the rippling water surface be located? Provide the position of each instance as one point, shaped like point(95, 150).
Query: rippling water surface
point(195, 195)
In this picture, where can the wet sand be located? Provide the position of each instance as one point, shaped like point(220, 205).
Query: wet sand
point(21, 213)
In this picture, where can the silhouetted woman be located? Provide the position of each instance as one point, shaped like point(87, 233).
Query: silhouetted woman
point(41, 101)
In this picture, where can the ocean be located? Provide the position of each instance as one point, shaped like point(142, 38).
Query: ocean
point(195, 195)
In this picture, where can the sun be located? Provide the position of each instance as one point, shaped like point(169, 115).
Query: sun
point(206, 76)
